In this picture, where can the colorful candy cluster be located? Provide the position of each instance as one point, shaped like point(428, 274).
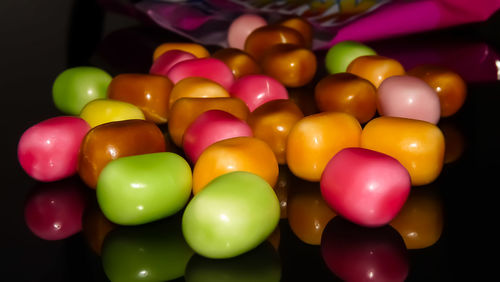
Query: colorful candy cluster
point(231, 114)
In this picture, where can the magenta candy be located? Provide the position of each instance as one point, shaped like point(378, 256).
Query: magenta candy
point(256, 90)
point(209, 68)
point(408, 97)
point(163, 64)
point(241, 27)
point(48, 151)
point(210, 127)
point(365, 187)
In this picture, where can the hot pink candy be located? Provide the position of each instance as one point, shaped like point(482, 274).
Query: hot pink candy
point(256, 90)
point(365, 187)
point(209, 68)
point(210, 127)
point(241, 27)
point(165, 62)
point(408, 97)
point(48, 151)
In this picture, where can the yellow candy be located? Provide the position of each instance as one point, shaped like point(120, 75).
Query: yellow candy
point(102, 111)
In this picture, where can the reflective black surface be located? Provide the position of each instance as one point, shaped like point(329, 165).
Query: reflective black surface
point(42, 38)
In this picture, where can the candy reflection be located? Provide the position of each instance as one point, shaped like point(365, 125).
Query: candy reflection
point(285, 178)
point(153, 252)
point(356, 253)
point(95, 226)
point(454, 141)
point(53, 211)
point(260, 264)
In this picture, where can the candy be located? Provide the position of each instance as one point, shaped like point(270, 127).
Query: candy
point(272, 122)
point(449, 86)
point(165, 62)
point(417, 145)
point(238, 61)
point(235, 154)
point(114, 140)
point(196, 49)
point(140, 189)
point(292, 65)
point(302, 26)
point(315, 139)
point(75, 87)
point(196, 87)
point(263, 38)
point(209, 68)
point(232, 215)
point(185, 110)
point(241, 27)
point(340, 55)
point(48, 151)
point(99, 111)
point(304, 98)
point(375, 68)
point(348, 93)
point(148, 92)
point(454, 141)
point(366, 187)
point(255, 90)
point(408, 97)
point(95, 226)
point(210, 127)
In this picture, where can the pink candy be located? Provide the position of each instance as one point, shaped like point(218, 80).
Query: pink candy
point(241, 27)
point(163, 64)
point(48, 151)
point(209, 68)
point(255, 90)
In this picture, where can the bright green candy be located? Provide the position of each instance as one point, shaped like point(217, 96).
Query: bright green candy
point(343, 53)
point(144, 188)
point(75, 87)
point(152, 252)
point(232, 215)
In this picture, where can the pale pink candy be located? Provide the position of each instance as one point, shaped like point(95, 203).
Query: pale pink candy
point(210, 127)
point(167, 60)
point(256, 90)
point(408, 97)
point(241, 28)
point(209, 68)
point(48, 151)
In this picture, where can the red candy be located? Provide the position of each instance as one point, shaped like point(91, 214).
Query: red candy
point(255, 90)
point(163, 64)
point(48, 151)
point(209, 68)
point(366, 187)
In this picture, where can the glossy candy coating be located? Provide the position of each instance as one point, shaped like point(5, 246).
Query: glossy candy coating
point(48, 151)
point(140, 189)
point(340, 55)
point(315, 139)
point(209, 68)
point(366, 187)
point(210, 127)
point(185, 110)
point(272, 122)
point(416, 144)
point(235, 154)
point(75, 87)
point(292, 65)
point(238, 61)
point(241, 27)
point(102, 111)
point(232, 215)
point(196, 49)
point(114, 140)
point(196, 87)
point(163, 64)
point(263, 38)
point(375, 68)
point(302, 26)
point(348, 93)
point(256, 90)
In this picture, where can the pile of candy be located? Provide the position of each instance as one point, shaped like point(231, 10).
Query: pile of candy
point(231, 114)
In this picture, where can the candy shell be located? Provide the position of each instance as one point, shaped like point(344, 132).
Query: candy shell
point(209, 68)
point(241, 27)
point(99, 111)
point(256, 90)
point(165, 62)
point(340, 55)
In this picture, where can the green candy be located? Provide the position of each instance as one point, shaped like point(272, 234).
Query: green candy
point(144, 188)
point(232, 215)
point(340, 55)
point(75, 87)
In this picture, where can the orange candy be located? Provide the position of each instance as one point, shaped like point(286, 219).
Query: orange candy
point(292, 65)
point(197, 87)
point(193, 48)
point(281, 188)
point(263, 38)
point(235, 154)
point(315, 139)
point(449, 86)
point(348, 93)
point(302, 26)
point(272, 123)
point(150, 93)
point(238, 61)
point(454, 141)
point(417, 145)
point(375, 68)
point(185, 110)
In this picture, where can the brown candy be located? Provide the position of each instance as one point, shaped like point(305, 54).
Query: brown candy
point(302, 26)
point(375, 68)
point(238, 61)
point(263, 38)
point(114, 140)
point(196, 87)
